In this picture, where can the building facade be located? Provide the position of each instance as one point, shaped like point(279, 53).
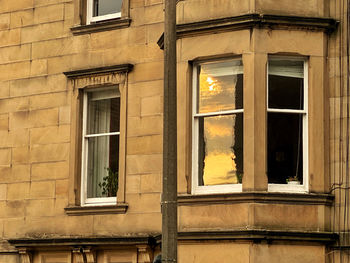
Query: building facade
point(263, 130)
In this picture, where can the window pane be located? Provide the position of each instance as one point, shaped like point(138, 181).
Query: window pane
point(102, 166)
point(220, 86)
point(286, 84)
point(103, 115)
point(285, 148)
point(105, 7)
point(220, 159)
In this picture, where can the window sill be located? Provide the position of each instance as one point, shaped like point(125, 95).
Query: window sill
point(96, 210)
point(101, 26)
point(257, 197)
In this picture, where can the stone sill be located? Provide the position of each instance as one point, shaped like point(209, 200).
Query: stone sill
point(96, 210)
point(101, 26)
point(256, 197)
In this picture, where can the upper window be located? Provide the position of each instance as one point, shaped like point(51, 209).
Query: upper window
point(99, 10)
point(218, 126)
point(100, 146)
point(287, 125)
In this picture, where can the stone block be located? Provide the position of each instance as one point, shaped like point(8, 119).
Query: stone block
point(151, 183)
point(210, 217)
point(36, 118)
point(14, 208)
point(22, 18)
point(3, 192)
point(20, 155)
point(60, 204)
point(40, 207)
point(64, 115)
point(151, 125)
point(145, 145)
point(5, 156)
point(62, 188)
point(59, 47)
point(20, 173)
point(108, 39)
point(18, 191)
point(9, 258)
point(4, 21)
point(50, 100)
point(137, 35)
point(147, 72)
point(50, 171)
point(10, 37)
point(132, 223)
point(42, 32)
point(14, 70)
point(38, 67)
point(153, 32)
point(42, 189)
point(4, 122)
point(223, 252)
point(145, 89)
point(74, 225)
point(154, 14)
point(137, 164)
point(15, 53)
point(48, 135)
point(14, 227)
point(151, 106)
point(132, 184)
point(4, 90)
point(49, 152)
point(18, 5)
point(50, 13)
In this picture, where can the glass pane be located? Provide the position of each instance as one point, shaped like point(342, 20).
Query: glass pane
point(220, 159)
point(286, 84)
point(220, 86)
point(103, 115)
point(106, 7)
point(102, 166)
point(285, 148)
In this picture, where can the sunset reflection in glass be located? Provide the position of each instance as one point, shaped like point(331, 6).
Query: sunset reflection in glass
point(219, 121)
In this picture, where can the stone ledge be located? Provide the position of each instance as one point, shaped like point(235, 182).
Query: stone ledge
point(101, 26)
point(85, 241)
point(123, 68)
point(250, 21)
point(94, 210)
point(258, 235)
point(257, 197)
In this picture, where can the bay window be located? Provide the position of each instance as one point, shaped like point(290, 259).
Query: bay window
point(218, 126)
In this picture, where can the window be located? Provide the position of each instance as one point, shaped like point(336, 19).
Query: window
point(217, 126)
point(100, 146)
point(99, 10)
point(287, 125)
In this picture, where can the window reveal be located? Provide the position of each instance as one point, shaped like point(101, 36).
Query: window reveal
point(218, 125)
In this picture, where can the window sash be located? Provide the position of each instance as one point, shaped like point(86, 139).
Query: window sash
point(90, 18)
point(85, 201)
point(303, 188)
point(206, 189)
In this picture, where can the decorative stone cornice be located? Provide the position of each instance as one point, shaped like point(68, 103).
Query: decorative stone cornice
point(251, 21)
point(123, 68)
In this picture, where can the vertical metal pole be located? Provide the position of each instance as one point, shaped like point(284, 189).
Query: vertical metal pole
point(169, 197)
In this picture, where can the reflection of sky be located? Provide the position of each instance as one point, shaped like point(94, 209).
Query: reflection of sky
point(218, 84)
point(219, 164)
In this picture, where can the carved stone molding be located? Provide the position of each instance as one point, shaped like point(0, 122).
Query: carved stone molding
point(90, 255)
point(78, 256)
point(144, 254)
point(25, 255)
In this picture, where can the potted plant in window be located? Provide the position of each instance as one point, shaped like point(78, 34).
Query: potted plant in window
point(109, 183)
point(293, 180)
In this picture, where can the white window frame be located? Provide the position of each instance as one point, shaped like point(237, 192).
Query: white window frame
point(85, 201)
point(208, 189)
point(91, 19)
point(304, 188)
